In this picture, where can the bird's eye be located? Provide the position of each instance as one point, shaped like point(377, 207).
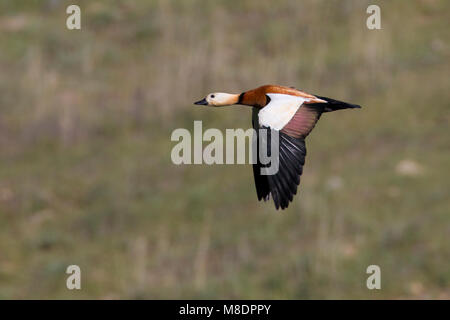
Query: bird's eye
point(212, 96)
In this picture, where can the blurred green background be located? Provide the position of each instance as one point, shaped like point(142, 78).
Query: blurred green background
point(86, 176)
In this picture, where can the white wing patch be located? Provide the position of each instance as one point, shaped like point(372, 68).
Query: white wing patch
point(280, 110)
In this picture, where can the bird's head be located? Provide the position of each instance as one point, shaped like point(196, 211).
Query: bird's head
point(218, 99)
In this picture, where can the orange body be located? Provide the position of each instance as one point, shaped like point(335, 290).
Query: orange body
point(257, 97)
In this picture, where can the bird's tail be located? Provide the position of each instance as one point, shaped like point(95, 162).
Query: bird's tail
point(333, 105)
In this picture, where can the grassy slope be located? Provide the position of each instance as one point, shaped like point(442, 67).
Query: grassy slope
point(86, 176)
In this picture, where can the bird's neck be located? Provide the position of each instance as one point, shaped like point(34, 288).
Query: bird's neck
point(254, 98)
point(228, 99)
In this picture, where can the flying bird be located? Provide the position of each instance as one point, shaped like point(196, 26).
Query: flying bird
point(293, 114)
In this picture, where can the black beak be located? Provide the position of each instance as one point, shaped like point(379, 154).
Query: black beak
point(202, 102)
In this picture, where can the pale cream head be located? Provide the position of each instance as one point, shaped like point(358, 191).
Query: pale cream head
point(218, 99)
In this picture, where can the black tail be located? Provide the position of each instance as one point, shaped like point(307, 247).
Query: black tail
point(334, 105)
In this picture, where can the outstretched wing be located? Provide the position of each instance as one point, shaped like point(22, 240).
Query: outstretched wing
point(303, 121)
point(291, 157)
point(292, 114)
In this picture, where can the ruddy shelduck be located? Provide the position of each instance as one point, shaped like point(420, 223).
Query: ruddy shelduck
point(293, 114)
